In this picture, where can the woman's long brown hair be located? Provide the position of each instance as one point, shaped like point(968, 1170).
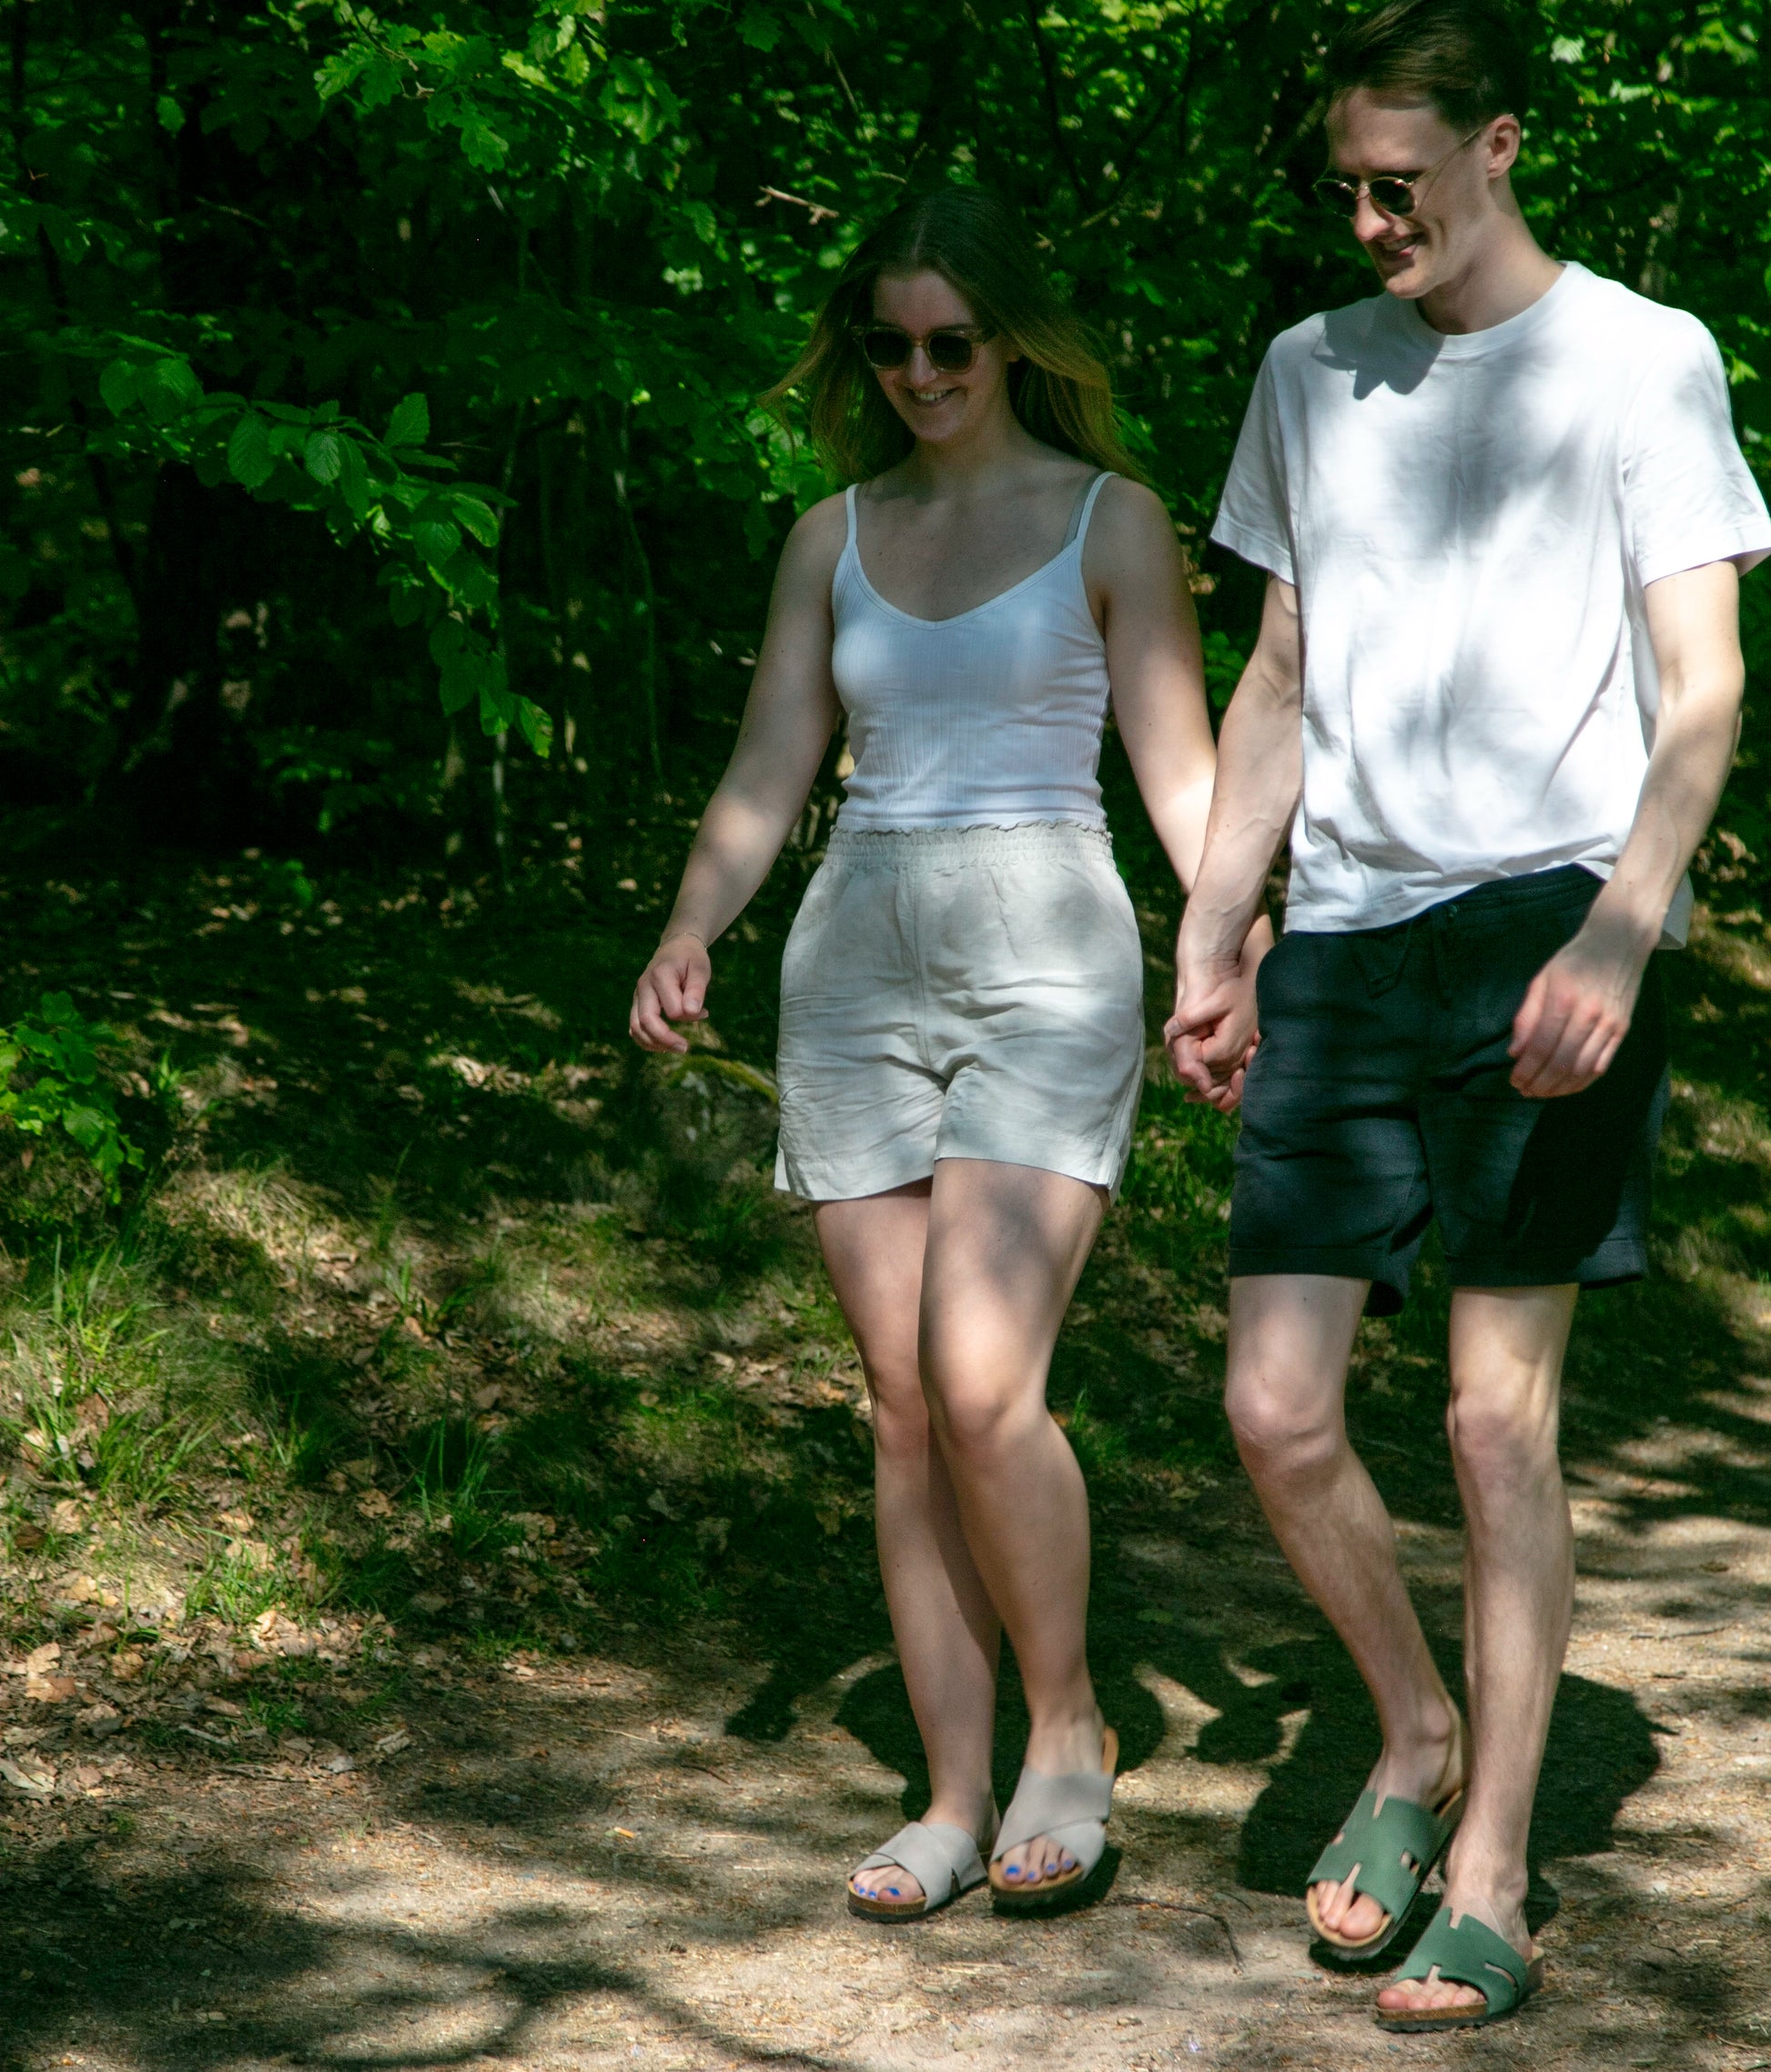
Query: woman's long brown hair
point(1059, 388)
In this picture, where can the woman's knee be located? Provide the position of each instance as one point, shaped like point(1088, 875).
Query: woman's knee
point(900, 1408)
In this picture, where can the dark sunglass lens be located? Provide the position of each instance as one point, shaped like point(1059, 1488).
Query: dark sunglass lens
point(1394, 197)
point(951, 352)
point(1338, 196)
point(884, 348)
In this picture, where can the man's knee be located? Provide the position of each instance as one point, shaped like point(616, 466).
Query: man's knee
point(1502, 1435)
point(1279, 1432)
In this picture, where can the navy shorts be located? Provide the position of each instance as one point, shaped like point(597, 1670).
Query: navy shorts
point(1380, 1098)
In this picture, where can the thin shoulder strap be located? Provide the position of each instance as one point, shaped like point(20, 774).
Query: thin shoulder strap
point(849, 546)
point(1086, 509)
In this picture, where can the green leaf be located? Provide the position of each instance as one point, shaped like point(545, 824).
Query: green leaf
point(410, 422)
point(353, 478)
point(436, 538)
point(537, 725)
point(117, 385)
point(759, 28)
point(325, 455)
point(249, 457)
point(170, 115)
point(478, 517)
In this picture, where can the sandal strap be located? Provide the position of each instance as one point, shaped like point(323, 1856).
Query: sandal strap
point(1072, 1808)
point(1374, 1842)
point(938, 1855)
point(1471, 1954)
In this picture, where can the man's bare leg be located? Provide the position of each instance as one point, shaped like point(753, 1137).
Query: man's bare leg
point(1291, 1336)
point(1006, 1244)
point(947, 1632)
point(1507, 1354)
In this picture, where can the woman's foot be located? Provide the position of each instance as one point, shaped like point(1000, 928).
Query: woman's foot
point(1424, 1996)
point(1053, 1753)
point(893, 1882)
point(1427, 1775)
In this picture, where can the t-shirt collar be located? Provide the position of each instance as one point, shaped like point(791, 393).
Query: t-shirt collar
point(1496, 338)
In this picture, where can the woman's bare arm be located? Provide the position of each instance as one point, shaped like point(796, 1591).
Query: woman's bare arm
point(1158, 673)
point(788, 720)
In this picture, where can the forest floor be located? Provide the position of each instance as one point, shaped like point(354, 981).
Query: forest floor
point(436, 1584)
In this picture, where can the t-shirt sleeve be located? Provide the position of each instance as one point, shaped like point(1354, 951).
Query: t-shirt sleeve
point(1254, 520)
point(1689, 496)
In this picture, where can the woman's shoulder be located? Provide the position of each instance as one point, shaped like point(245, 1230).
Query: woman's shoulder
point(815, 543)
point(1129, 515)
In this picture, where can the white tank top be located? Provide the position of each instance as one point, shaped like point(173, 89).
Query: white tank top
point(989, 719)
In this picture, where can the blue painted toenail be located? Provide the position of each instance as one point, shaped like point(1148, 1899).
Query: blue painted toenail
point(1013, 1871)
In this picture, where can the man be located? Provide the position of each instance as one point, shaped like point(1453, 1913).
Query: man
point(1492, 704)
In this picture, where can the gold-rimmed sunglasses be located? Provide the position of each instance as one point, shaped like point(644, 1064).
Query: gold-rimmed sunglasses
point(1393, 193)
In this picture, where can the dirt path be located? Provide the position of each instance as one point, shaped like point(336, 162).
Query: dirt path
point(440, 1309)
point(577, 1866)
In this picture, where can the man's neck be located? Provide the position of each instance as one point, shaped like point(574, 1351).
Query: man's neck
point(1509, 272)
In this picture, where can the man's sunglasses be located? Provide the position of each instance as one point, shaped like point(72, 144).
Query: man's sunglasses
point(951, 349)
point(1393, 193)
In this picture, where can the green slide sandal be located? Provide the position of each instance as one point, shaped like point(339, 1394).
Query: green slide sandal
point(1468, 1953)
point(1393, 1848)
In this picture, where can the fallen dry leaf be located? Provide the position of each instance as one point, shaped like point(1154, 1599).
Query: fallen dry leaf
point(225, 1706)
point(375, 1503)
point(391, 1744)
point(27, 1539)
point(251, 1553)
point(41, 1659)
point(239, 1521)
point(126, 1664)
point(50, 1690)
point(28, 1774)
point(65, 1516)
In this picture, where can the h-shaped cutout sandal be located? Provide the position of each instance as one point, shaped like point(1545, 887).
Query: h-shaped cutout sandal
point(1072, 1809)
point(1467, 1953)
point(1393, 1849)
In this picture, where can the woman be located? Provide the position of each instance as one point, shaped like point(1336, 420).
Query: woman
point(961, 1018)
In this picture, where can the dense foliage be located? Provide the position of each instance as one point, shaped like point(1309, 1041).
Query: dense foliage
point(355, 355)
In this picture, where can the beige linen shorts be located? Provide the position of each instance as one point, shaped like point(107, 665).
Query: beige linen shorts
point(965, 993)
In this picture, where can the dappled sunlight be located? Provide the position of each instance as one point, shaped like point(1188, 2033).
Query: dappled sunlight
point(479, 1517)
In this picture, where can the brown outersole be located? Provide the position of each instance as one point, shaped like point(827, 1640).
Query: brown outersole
point(1462, 2018)
point(1446, 1809)
point(1023, 1899)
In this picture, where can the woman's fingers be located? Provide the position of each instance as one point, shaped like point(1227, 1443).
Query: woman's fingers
point(672, 988)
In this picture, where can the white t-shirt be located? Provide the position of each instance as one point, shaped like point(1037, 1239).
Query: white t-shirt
point(1469, 523)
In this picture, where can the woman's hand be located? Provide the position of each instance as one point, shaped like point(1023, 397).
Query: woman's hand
point(672, 988)
point(1212, 1034)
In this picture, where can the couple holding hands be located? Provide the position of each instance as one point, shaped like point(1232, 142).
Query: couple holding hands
point(1494, 698)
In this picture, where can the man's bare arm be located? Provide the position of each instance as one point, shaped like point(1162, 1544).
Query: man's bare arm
point(1259, 781)
point(1579, 1006)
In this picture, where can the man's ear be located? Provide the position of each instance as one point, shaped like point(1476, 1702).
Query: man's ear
point(1503, 147)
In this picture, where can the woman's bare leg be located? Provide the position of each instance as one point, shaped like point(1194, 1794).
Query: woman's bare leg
point(1005, 1247)
point(947, 1632)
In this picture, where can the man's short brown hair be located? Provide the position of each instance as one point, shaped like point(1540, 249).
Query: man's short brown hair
point(1466, 56)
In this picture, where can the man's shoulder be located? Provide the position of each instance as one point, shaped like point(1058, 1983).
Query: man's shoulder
point(1635, 328)
point(1330, 334)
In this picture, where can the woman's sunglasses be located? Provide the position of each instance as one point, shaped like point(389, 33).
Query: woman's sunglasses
point(1393, 193)
point(951, 349)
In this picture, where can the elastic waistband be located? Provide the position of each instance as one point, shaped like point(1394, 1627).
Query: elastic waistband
point(922, 848)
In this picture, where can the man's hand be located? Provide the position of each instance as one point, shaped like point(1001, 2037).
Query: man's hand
point(1211, 1035)
point(672, 988)
point(1577, 1011)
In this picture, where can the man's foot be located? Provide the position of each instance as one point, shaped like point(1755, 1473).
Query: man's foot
point(1055, 1754)
point(1432, 1994)
point(1427, 1775)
